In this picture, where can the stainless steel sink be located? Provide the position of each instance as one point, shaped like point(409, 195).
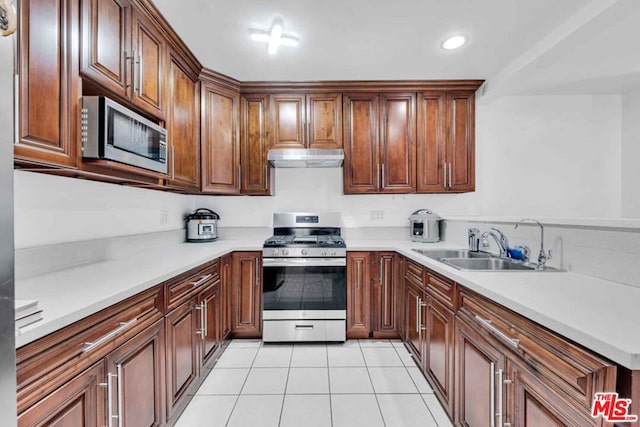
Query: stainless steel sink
point(486, 264)
point(452, 253)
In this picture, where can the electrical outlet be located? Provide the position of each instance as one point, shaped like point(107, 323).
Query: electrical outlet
point(164, 217)
point(376, 215)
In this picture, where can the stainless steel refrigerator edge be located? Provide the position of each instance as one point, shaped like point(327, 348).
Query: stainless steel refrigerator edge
point(7, 323)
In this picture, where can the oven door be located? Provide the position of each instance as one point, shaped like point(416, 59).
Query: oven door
point(304, 288)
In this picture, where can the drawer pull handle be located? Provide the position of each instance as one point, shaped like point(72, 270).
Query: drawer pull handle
point(487, 324)
point(201, 281)
point(88, 346)
point(304, 326)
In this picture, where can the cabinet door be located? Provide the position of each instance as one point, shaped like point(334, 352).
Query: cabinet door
point(226, 281)
point(461, 141)
point(246, 297)
point(149, 53)
point(287, 121)
point(139, 365)
point(209, 301)
point(358, 296)
point(324, 120)
point(385, 296)
point(431, 142)
point(220, 144)
point(78, 403)
point(256, 173)
point(183, 126)
point(48, 99)
point(439, 356)
point(532, 401)
point(106, 52)
point(477, 365)
point(361, 161)
point(398, 143)
point(183, 341)
point(415, 314)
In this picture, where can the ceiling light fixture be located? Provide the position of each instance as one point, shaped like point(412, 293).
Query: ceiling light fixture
point(275, 37)
point(453, 42)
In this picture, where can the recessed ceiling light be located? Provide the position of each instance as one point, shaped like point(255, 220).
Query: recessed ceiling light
point(453, 42)
point(274, 37)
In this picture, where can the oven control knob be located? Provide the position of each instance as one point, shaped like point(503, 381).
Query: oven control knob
point(304, 252)
point(334, 252)
point(323, 252)
point(274, 252)
point(285, 252)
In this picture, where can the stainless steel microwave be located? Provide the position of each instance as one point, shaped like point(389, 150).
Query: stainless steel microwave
point(113, 132)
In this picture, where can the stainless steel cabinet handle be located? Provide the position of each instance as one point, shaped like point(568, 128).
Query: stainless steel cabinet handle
point(487, 324)
point(173, 161)
point(418, 314)
point(88, 346)
point(450, 179)
point(120, 404)
point(200, 330)
point(206, 317)
point(239, 178)
point(257, 273)
point(500, 398)
point(132, 83)
point(378, 175)
point(492, 396)
point(109, 385)
point(383, 183)
point(444, 174)
point(381, 271)
point(201, 281)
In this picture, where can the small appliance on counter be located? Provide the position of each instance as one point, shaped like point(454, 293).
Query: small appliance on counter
point(202, 225)
point(424, 226)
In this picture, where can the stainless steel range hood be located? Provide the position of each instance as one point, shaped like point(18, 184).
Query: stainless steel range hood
point(305, 158)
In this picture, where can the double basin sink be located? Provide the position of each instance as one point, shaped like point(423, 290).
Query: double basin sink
point(464, 259)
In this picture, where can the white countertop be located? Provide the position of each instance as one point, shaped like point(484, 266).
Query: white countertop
point(598, 314)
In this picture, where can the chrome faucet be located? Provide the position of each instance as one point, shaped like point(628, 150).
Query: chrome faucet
point(543, 256)
point(500, 238)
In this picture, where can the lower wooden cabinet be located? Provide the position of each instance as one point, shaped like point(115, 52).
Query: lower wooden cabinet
point(138, 396)
point(439, 354)
point(246, 295)
point(80, 402)
point(226, 282)
point(358, 295)
point(385, 295)
point(210, 330)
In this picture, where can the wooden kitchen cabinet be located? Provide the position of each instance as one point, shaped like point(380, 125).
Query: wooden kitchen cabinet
point(139, 365)
point(124, 52)
point(385, 295)
point(256, 175)
point(210, 328)
point(305, 121)
point(226, 284)
point(246, 295)
point(414, 301)
point(79, 402)
point(220, 141)
point(358, 295)
point(379, 143)
point(446, 142)
point(183, 124)
point(48, 98)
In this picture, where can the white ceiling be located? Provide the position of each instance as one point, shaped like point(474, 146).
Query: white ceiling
point(518, 46)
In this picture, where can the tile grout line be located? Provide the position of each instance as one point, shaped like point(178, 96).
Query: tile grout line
point(243, 384)
point(326, 352)
point(384, 423)
point(286, 383)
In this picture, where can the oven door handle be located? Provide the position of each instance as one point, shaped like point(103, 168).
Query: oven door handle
point(304, 262)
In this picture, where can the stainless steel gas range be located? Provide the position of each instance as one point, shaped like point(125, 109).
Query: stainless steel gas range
point(304, 279)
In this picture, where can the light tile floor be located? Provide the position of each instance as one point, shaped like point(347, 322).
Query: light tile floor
point(367, 382)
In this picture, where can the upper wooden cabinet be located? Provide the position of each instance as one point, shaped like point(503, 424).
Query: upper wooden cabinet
point(305, 121)
point(47, 98)
point(124, 52)
point(183, 125)
point(446, 142)
point(220, 142)
point(256, 175)
point(379, 135)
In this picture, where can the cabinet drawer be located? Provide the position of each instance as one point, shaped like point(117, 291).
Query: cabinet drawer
point(414, 272)
point(567, 367)
point(441, 289)
point(45, 364)
point(184, 286)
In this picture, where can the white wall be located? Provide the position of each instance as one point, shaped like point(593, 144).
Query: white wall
point(51, 210)
point(631, 154)
point(545, 156)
